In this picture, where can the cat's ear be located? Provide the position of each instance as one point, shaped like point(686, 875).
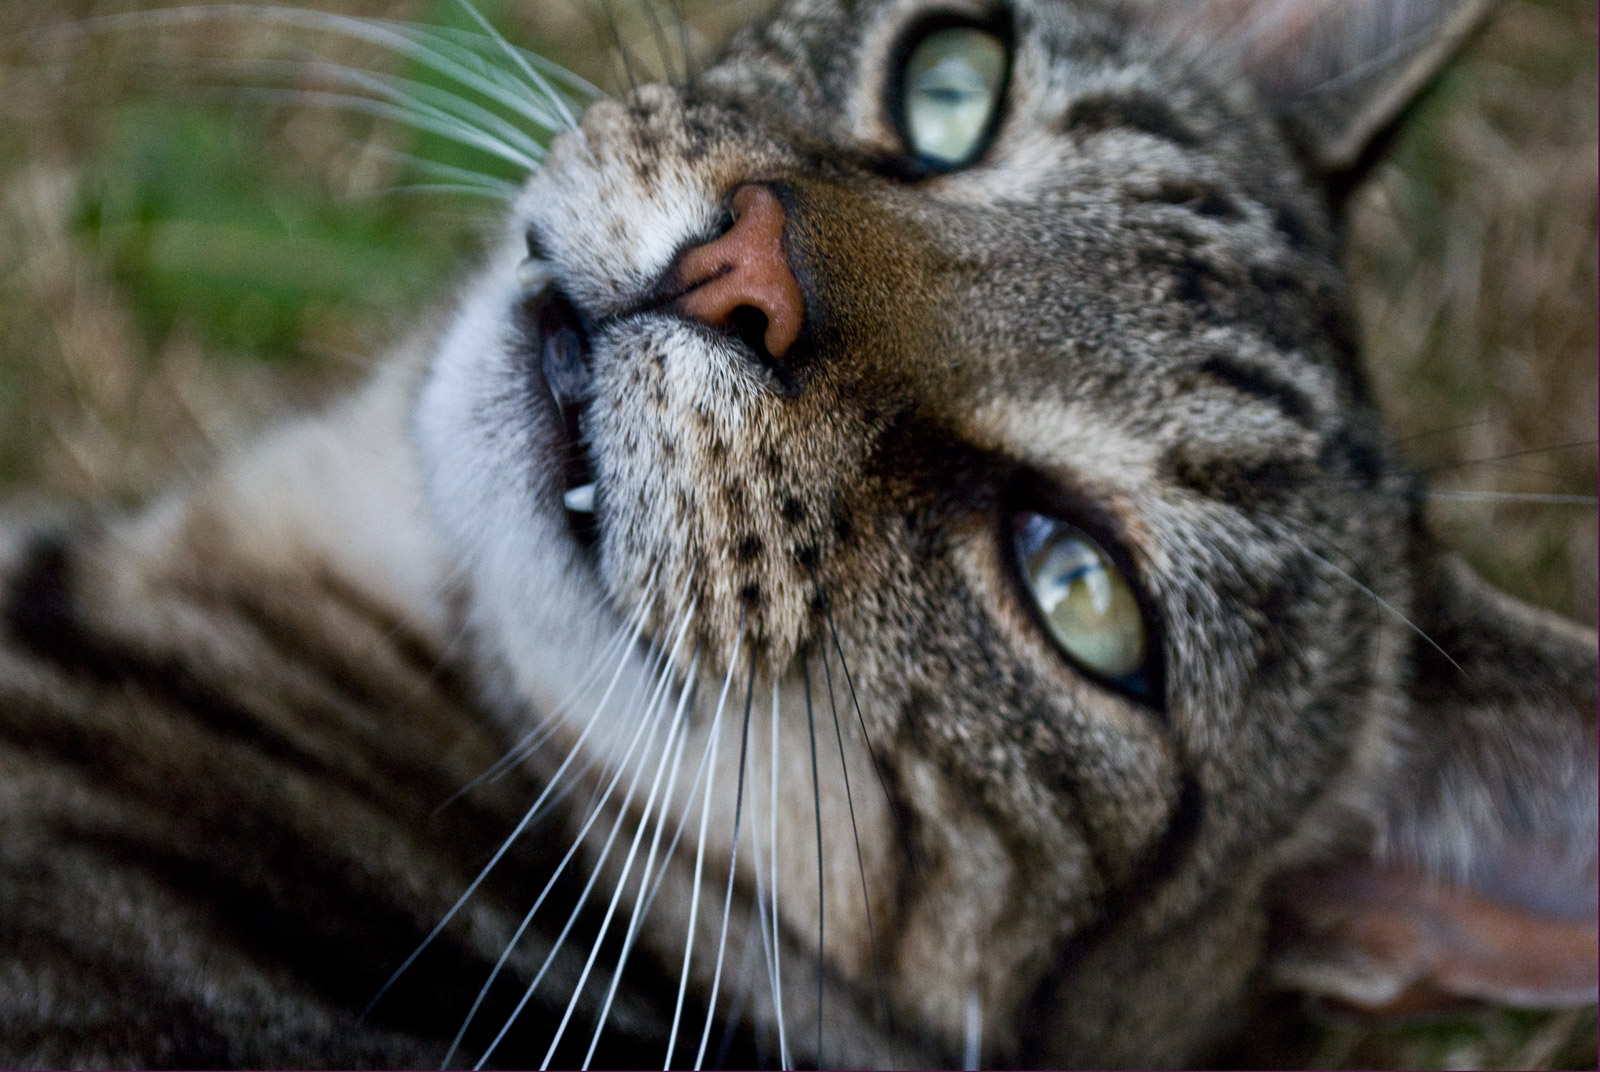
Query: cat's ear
point(1340, 72)
point(1479, 881)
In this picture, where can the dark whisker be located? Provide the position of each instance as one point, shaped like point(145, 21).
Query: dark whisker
point(855, 833)
point(1513, 497)
point(1446, 466)
point(682, 18)
point(1429, 433)
point(816, 798)
point(877, 766)
point(658, 34)
point(1385, 604)
point(621, 47)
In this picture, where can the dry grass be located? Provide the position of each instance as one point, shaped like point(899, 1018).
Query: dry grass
point(1475, 257)
point(1475, 261)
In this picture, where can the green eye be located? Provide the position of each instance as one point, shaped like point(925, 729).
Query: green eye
point(1086, 602)
point(949, 92)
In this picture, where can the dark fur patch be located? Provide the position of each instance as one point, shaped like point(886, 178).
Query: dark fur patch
point(1257, 383)
point(1202, 199)
point(1128, 111)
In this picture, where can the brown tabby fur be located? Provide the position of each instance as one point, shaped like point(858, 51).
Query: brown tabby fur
point(227, 722)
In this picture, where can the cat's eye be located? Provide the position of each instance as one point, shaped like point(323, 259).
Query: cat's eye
point(1085, 601)
point(949, 94)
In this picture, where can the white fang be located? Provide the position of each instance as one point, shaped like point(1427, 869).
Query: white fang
point(580, 500)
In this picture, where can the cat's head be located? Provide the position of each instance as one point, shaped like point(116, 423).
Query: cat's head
point(979, 379)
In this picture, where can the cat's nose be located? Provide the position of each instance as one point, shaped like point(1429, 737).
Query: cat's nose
point(742, 279)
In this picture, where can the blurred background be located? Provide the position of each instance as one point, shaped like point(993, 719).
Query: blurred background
point(184, 256)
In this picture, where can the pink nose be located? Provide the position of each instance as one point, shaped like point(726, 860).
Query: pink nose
point(746, 268)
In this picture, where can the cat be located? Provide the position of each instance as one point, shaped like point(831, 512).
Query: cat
point(901, 506)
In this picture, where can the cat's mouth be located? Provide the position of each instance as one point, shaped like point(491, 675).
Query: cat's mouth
point(558, 343)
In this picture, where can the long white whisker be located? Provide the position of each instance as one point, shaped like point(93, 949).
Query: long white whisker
point(641, 905)
point(469, 43)
point(432, 47)
point(733, 864)
point(412, 116)
point(535, 79)
point(762, 900)
point(650, 720)
point(441, 104)
point(677, 834)
point(522, 825)
point(1513, 497)
point(784, 1059)
point(816, 801)
point(1386, 605)
point(618, 647)
point(633, 849)
point(597, 800)
point(700, 851)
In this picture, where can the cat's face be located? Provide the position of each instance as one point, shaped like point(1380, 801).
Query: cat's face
point(1105, 328)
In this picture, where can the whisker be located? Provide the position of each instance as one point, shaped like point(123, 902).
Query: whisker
point(1465, 462)
point(535, 79)
point(596, 805)
point(648, 719)
point(548, 797)
point(517, 831)
point(1513, 497)
point(410, 116)
point(784, 1060)
point(682, 18)
point(816, 799)
point(855, 833)
point(441, 104)
point(742, 989)
point(622, 49)
point(641, 904)
point(530, 742)
point(877, 766)
point(627, 869)
point(621, 645)
point(700, 851)
point(447, 52)
point(972, 1051)
point(1385, 604)
point(733, 860)
point(658, 34)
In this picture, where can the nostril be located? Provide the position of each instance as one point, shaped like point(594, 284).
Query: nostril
point(750, 325)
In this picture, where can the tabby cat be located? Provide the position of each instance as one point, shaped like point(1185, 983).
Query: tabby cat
point(891, 561)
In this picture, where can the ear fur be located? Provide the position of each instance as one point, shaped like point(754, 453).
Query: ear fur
point(1340, 72)
point(1480, 881)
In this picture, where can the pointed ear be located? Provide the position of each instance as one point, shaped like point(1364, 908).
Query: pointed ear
point(1340, 72)
point(1480, 880)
